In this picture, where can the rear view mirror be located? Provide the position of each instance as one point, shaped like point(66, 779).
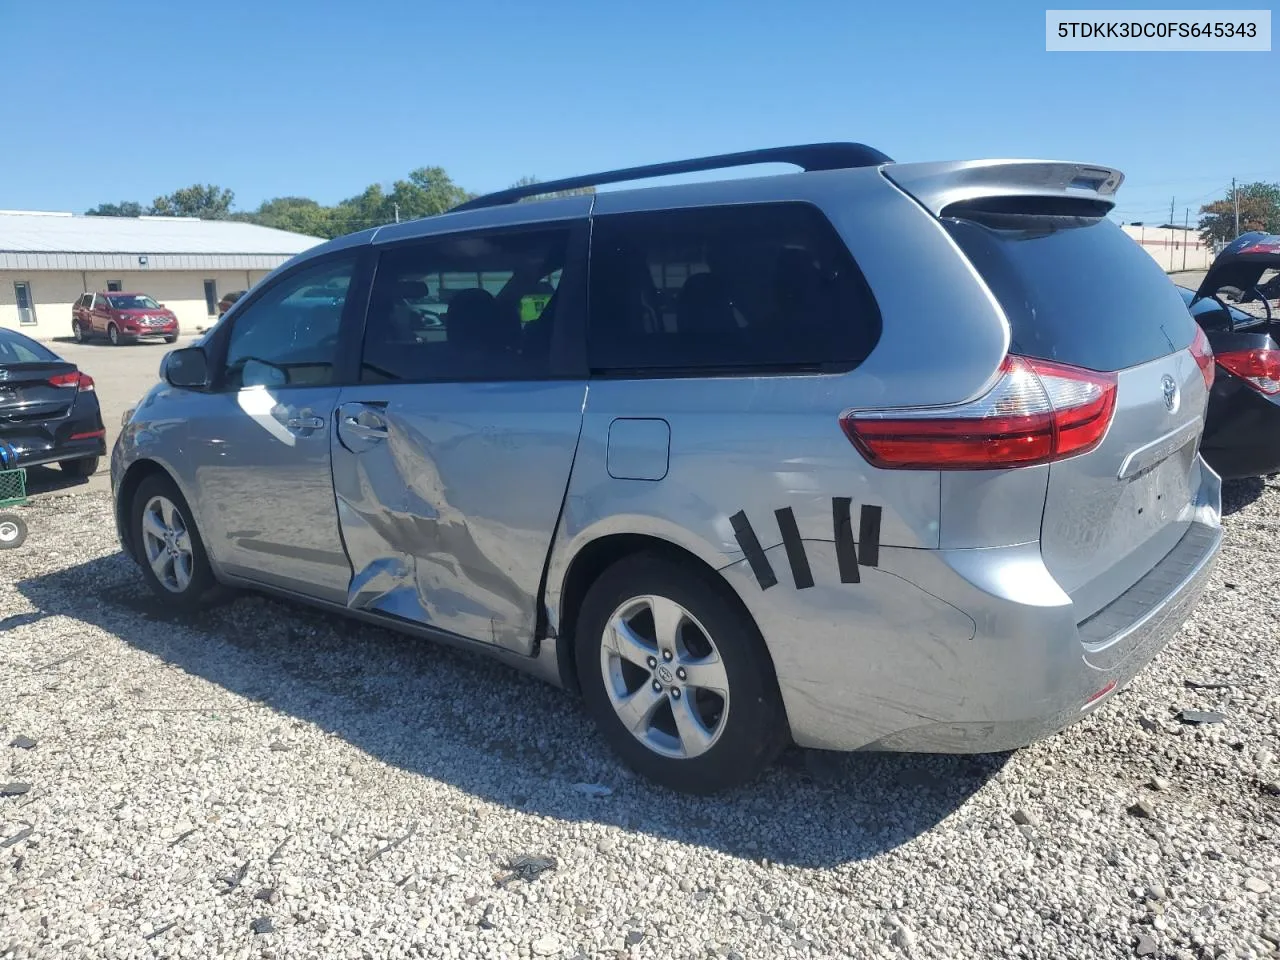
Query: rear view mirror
point(187, 368)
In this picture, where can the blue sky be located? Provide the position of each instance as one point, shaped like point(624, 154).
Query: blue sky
point(120, 101)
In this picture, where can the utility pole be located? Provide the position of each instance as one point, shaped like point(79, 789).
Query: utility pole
point(1171, 229)
point(397, 206)
point(1236, 198)
point(1186, 235)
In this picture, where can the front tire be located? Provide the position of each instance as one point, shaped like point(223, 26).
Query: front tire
point(13, 531)
point(168, 545)
point(83, 467)
point(172, 339)
point(677, 677)
point(113, 334)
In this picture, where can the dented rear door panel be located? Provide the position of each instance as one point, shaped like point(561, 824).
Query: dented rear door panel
point(448, 497)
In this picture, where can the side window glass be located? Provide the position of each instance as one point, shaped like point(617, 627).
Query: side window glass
point(289, 337)
point(761, 286)
point(479, 306)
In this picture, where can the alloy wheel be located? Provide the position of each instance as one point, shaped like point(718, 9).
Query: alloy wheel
point(166, 541)
point(664, 677)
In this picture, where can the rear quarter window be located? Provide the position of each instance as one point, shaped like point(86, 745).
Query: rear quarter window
point(729, 289)
point(1076, 290)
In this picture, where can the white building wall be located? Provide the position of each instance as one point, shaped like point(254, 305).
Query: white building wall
point(55, 291)
point(52, 294)
point(1173, 249)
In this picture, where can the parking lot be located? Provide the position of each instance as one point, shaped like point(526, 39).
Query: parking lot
point(265, 781)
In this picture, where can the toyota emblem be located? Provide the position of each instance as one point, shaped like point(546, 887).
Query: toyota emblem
point(1170, 393)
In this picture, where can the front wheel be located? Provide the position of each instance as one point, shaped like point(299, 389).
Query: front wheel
point(677, 677)
point(113, 334)
point(168, 545)
point(13, 531)
point(172, 339)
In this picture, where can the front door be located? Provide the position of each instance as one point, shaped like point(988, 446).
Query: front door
point(452, 457)
point(260, 440)
point(100, 315)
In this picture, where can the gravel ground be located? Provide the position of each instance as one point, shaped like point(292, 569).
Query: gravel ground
point(265, 781)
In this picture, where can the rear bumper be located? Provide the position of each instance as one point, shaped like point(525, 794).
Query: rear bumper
point(78, 435)
point(966, 650)
point(1111, 648)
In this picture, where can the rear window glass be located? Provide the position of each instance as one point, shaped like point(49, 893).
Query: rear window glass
point(15, 348)
point(1076, 290)
point(767, 287)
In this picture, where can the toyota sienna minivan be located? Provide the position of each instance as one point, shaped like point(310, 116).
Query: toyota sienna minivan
point(875, 455)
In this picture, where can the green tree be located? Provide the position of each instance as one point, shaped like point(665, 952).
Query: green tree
point(204, 201)
point(427, 191)
point(1259, 210)
point(126, 208)
point(530, 181)
point(295, 214)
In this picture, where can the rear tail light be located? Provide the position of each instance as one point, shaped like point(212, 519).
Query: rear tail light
point(1258, 368)
point(75, 379)
point(1037, 412)
point(1203, 353)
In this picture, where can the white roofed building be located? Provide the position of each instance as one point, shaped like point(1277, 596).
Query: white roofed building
point(49, 260)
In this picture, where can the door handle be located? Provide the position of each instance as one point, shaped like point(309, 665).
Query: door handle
point(364, 421)
point(368, 426)
point(304, 423)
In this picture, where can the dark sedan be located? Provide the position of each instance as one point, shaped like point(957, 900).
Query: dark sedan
point(48, 409)
point(1242, 426)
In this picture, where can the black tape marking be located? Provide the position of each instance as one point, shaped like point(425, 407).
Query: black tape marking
point(796, 556)
point(846, 556)
point(746, 537)
point(869, 537)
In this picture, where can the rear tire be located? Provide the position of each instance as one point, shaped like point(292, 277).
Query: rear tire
point(662, 713)
point(113, 334)
point(77, 332)
point(168, 546)
point(83, 467)
point(13, 531)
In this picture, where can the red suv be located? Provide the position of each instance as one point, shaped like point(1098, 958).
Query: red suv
point(122, 318)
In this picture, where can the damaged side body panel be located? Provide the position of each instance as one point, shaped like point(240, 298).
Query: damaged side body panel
point(448, 518)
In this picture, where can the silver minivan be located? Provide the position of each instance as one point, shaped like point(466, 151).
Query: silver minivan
point(868, 456)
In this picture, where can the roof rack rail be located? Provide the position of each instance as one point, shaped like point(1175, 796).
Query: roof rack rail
point(808, 156)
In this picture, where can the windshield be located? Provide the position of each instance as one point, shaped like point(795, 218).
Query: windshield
point(1210, 312)
point(132, 301)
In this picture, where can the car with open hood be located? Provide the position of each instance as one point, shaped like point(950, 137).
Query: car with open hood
point(1242, 426)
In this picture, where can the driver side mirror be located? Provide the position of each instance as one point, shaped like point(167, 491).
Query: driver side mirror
point(187, 368)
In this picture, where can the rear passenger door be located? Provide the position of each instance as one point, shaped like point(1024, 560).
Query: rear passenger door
point(452, 456)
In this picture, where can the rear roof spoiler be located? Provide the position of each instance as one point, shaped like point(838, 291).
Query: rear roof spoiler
point(937, 186)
